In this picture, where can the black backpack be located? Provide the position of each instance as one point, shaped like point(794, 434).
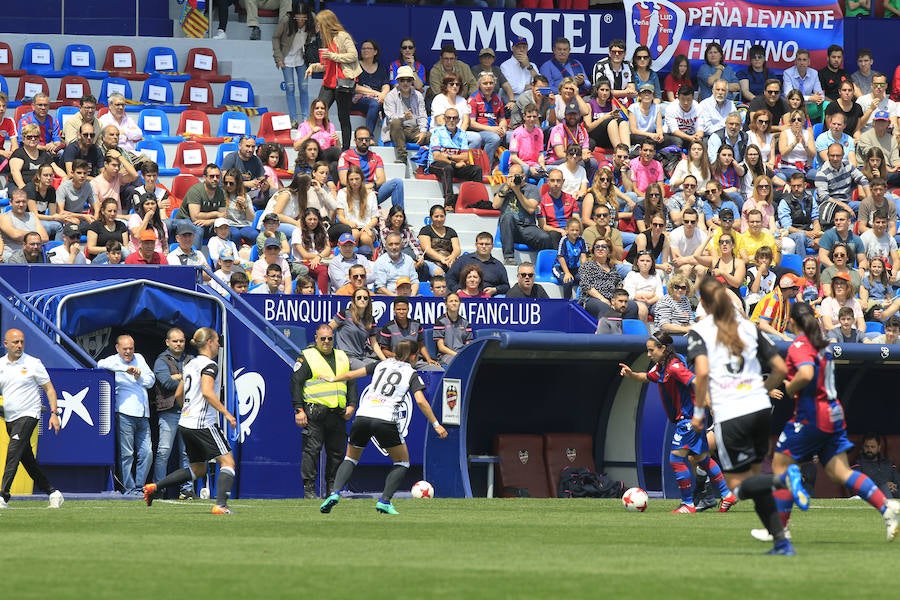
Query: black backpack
point(576, 482)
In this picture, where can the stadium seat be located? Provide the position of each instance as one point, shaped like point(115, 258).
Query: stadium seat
point(21, 110)
point(190, 158)
point(792, 262)
point(224, 149)
point(64, 112)
point(38, 59)
point(121, 62)
point(634, 327)
point(472, 192)
point(503, 163)
point(180, 185)
point(162, 63)
point(72, 88)
point(153, 149)
point(425, 290)
point(113, 85)
point(29, 85)
point(155, 125)
point(194, 125)
point(158, 92)
point(240, 93)
point(522, 471)
point(203, 64)
point(498, 243)
point(234, 124)
point(4, 87)
point(79, 60)
point(543, 266)
point(563, 450)
point(198, 95)
point(874, 327)
point(275, 127)
point(6, 62)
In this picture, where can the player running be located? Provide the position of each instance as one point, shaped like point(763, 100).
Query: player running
point(817, 426)
point(198, 392)
point(676, 391)
point(377, 417)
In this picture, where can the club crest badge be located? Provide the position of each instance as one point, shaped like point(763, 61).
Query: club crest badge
point(523, 456)
point(657, 24)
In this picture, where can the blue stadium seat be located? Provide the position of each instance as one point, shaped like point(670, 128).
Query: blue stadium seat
point(4, 87)
point(543, 266)
point(113, 85)
point(792, 262)
point(516, 246)
point(38, 59)
point(428, 335)
point(158, 93)
point(503, 165)
point(234, 124)
point(155, 125)
point(155, 151)
point(634, 327)
point(162, 63)
point(874, 327)
point(224, 150)
point(64, 112)
point(79, 60)
point(425, 289)
point(240, 93)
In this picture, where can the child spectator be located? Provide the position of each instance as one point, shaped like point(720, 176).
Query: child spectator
point(891, 333)
point(113, 253)
point(878, 283)
point(643, 284)
point(239, 282)
point(846, 332)
point(570, 255)
point(761, 278)
point(810, 284)
point(439, 286)
point(226, 269)
point(306, 286)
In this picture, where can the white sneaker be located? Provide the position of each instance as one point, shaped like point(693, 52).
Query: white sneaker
point(56, 499)
point(220, 35)
point(891, 519)
point(763, 535)
point(3, 504)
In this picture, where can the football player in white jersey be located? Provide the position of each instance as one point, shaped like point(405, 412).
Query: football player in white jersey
point(198, 392)
point(377, 417)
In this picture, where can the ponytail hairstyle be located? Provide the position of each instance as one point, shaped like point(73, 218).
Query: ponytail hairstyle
point(202, 337)
point(664, 340)
point(804, 317)
point(406, 349)
point(718, 304)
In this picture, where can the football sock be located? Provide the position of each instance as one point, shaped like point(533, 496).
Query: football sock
point(223, 485)
point(862, 485)
point(393, 480)
point(683, 476)
point(344, 471)
point(715, 474)
point(784, 502)
point(176, 478)
point(765, 510)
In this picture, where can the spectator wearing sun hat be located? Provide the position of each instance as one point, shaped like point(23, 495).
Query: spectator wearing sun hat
point(339, 267)
point(772, 313)
point(221, 240)
point(879, 136)
point(146, 253)
point(70, 252)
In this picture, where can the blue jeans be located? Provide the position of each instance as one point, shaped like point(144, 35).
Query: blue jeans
point(199, 232)
point(372, 108)
point(134, 442)
point(54, 230)
point(168, 440)
point(490, 141)
point(393, 189)
point(290, 87)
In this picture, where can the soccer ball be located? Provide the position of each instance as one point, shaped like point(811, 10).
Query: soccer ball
point(635, 499)
point(422, 489)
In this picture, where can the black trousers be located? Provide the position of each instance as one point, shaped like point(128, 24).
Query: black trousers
point(446, 171)
point(19, 451)
point(344, 102)
point(326, 427)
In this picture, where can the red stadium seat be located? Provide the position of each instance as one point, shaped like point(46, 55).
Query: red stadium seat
point(470, 193)
point(277, 131)
point(197, 95)
point(121, 62)
point(28, 87)
point(180, 185)
point(71, 89)
point(190, 158)
point(6, 62)
point(522, 471)
point(563, 450)
point(194, 125)
point(203, 64)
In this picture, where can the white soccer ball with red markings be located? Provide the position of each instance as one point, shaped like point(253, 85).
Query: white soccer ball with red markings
point(422, 489)
point(635, 499)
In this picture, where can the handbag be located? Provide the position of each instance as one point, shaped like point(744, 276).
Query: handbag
point(345, 84)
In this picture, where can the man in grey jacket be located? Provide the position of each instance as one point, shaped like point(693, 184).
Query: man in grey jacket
point(405, 117)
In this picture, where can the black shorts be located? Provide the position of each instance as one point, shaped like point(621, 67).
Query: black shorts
point(204, 444)
point(385, 433)
point(742, 441)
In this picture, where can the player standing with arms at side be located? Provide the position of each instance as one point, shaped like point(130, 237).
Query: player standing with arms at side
point(728, 352)
point(817, 426)
point(198, 392)
point(677, 394)
point(377, 417)
point(21, 377)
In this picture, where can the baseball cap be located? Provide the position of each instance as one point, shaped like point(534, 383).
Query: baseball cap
point(226, 254)
point(788, 280)
point(487, 51)
point(518, 40)
point(272, 242)
point(149, 235)
point(572, 108)
point(646, 87)
point(346, 238)
point(71, 230)
point(405, 71)
point(272, 217)
point(184, 228)
point(726, 213)
point(840, 275)
point(219, 222)
point(881, 115)
point(404, 280)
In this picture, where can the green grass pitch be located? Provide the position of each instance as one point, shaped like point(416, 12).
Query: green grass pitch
point(441, 548)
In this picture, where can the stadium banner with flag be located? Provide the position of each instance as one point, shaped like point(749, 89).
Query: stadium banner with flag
point(193, 20)
point(687, 27)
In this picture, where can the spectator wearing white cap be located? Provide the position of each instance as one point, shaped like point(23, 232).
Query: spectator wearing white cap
point(221, 241)
point(405, 116)
point(879, 136)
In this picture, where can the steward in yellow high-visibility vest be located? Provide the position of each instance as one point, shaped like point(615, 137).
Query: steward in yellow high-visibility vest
point(322, 408)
